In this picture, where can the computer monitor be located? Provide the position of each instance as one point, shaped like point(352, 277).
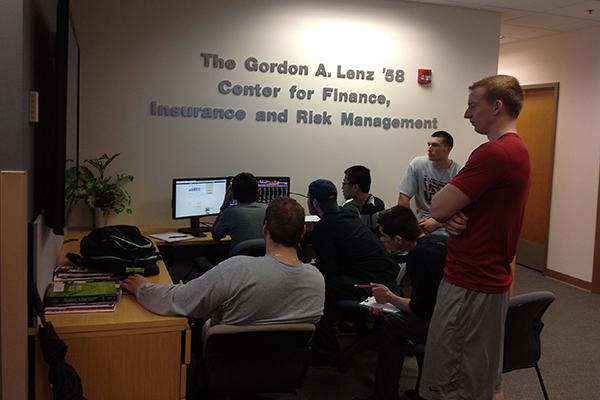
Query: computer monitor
point(197, 197)
point(271, 187)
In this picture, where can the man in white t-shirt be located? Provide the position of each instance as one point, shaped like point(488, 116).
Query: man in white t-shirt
point(425, 176)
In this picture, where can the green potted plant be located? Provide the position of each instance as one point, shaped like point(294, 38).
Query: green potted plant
point(103, 194)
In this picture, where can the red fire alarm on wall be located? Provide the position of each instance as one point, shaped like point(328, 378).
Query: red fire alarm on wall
point(424, 77)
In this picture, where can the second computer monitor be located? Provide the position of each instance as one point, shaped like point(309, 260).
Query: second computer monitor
point(197, 197)
point(271, 187)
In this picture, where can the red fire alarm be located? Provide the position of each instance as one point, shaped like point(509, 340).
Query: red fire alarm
point(424, 77)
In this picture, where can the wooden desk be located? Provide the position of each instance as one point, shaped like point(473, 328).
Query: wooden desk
point(182, 252)
point(130, 353)
point(195, 241)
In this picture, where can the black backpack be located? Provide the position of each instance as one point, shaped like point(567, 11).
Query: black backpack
point(119, 250)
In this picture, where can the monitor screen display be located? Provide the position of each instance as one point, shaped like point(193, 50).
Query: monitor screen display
point(196, 197)
point(270, 188)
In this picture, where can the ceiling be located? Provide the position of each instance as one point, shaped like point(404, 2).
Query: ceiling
point(526, 19)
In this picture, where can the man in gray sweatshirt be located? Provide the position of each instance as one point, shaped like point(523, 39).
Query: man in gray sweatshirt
point(276, 288)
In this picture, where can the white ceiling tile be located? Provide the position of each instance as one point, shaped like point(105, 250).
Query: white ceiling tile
point(508, 13)
point(547, 21)
point(440, 2)
point(533, 5)
point(525, 19)
point(580, 10)
point(508, 39)
point(471, 3)
point(459, 3)
point(579, 24)
point(524, 31)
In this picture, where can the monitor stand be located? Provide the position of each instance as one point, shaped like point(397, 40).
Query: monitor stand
point(194, 229)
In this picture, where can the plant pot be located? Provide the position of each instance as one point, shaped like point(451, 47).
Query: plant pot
point(99, 218)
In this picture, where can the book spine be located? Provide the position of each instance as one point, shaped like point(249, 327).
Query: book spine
point(81, 300)
point(78, 309)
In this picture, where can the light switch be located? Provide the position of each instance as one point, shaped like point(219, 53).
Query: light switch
point(34, 107)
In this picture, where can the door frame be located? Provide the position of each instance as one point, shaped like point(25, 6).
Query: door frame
point(555, 86)
point(595, 288)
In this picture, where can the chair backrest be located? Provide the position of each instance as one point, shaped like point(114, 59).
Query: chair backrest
point(250, 247)
point(246, 359)
point(523, 326)
point(371, 221)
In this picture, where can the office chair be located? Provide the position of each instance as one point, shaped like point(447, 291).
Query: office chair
point(367, 328)
point(521, 335)
point(371, 220)
point(249, 359)
point(364, 338)
point(522, 348)
point(250, 247)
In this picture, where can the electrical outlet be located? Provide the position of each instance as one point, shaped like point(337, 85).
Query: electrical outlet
point(34, 106)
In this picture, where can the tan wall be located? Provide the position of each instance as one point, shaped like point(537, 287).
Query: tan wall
point(134, 52)
point(573, 60)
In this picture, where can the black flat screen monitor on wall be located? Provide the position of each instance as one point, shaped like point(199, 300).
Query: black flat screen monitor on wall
point(197, 197)
point(61, 150)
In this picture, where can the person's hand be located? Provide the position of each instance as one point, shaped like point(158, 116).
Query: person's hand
point(429, 225)
point(457, 224)
point(133, 282)
point(227, 199)
point(381, 293)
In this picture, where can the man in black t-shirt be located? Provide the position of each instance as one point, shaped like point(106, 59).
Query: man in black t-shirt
point(425, 267)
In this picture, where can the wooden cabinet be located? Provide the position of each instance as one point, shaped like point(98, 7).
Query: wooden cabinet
point(13, 285)
point(130, 353)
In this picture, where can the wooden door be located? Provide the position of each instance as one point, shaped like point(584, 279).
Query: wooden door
point(537, 127)
point(13, 285)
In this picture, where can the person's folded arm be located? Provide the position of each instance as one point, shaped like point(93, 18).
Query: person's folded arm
point(403, 200)
point(429, 225)
point(448, 202)
point(221, 229)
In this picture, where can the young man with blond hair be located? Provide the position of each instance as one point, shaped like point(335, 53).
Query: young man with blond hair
point(483, 209)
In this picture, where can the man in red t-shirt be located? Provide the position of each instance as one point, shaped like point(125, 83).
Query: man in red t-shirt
point(483, 208)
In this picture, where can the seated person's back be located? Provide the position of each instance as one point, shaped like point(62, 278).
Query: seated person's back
point(425, 268)
point(344, 246)
point(425, 262)
point(244, 220)
point(259, 290)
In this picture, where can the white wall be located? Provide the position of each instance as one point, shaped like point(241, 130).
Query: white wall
point(135, 52)
point(573, 60)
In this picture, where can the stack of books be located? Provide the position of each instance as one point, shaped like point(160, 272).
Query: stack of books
point(64, 297)
point(65, 273)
